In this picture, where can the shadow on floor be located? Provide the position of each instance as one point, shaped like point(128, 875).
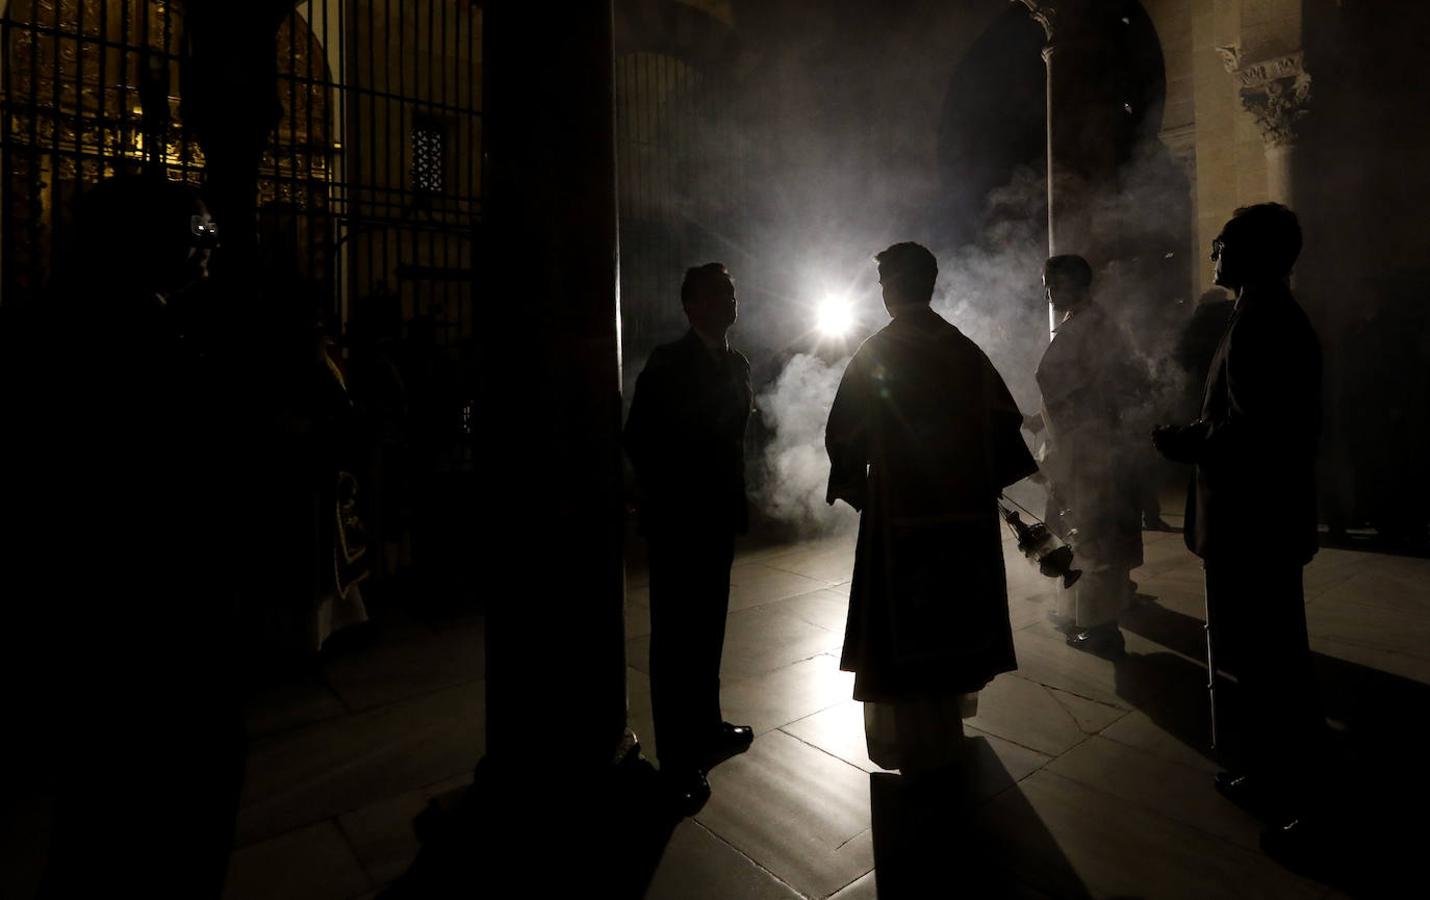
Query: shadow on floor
point(527, 834)
point(930, 842)
point(1375, 781)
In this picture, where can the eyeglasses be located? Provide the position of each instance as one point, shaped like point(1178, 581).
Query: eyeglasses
point(203, 235)
point(1218, 245)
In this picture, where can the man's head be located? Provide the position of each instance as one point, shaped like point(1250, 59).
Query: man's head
point(1259, 244)
point(145, 233)
point(1067, 281)
point(907, 273)
point(708, 295)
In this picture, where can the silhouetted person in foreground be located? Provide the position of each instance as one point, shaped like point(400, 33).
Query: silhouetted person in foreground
point(922, 437)
point(686, 440)
point(124, 560)
point(1251, 516)
point(1090, 387)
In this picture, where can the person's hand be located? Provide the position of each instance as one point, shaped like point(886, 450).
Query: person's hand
point(1179, 443)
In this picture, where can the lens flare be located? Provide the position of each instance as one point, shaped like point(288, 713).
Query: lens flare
point(834, 317)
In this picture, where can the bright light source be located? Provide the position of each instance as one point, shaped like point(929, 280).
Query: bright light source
point(834, 317)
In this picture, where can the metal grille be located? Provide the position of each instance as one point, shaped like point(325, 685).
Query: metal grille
point(428, 164)
point(370, 186)
point(87, 93)
point(410, 191)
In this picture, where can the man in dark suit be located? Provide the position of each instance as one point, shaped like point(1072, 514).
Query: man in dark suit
point(1251, 515)
point(686, 440)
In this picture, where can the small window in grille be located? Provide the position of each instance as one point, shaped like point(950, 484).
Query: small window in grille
point(429, 140)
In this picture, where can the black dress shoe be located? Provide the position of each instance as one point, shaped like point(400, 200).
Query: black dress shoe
point(1105, 641)
point(1239, 789)
point(727, 741)
point(1249, 792)
point(737, 737)
point(690, 789)
point(1298, 843)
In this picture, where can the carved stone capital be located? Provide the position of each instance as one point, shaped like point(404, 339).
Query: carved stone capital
point(1276, 91)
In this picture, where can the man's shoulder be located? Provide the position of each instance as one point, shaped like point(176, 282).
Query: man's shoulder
point(1274, 310)
point(669, 354)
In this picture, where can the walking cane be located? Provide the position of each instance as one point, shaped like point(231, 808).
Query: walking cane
point(1211, 657)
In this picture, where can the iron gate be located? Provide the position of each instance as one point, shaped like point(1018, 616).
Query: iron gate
point(370, 186)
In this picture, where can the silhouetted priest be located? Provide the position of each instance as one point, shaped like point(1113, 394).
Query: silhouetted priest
point(922, 437)
point(686, 440)
point(1251, 515)
point(1089, 385)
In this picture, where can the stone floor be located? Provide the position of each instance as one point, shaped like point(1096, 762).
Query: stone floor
point(1094, 777)
point(1096, 774)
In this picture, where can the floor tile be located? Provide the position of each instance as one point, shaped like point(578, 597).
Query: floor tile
point(826, 608)
point(996, 765)
point(292, 703)
point(381, 834)
point(1138, 729)
point(863, 888)
point(347, 763)
point(756, 584)
point(1070, 840)
point(311, 863)
point(1090, 715)
point(637, 621)
point(1159, 786)
point(1047, 660)
point(415, 662)
point(796, 811)
point(697, 865)
point(839, 731)
point(830, 567)
point(757, 641)
point(1025, 712)
point(1378, 621)
point(768, 701)
point(764, 639)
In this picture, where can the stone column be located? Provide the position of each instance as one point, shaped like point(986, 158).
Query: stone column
point(559, 801)
point(1277, 93)
point(1084, 120)
point(551, 401)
